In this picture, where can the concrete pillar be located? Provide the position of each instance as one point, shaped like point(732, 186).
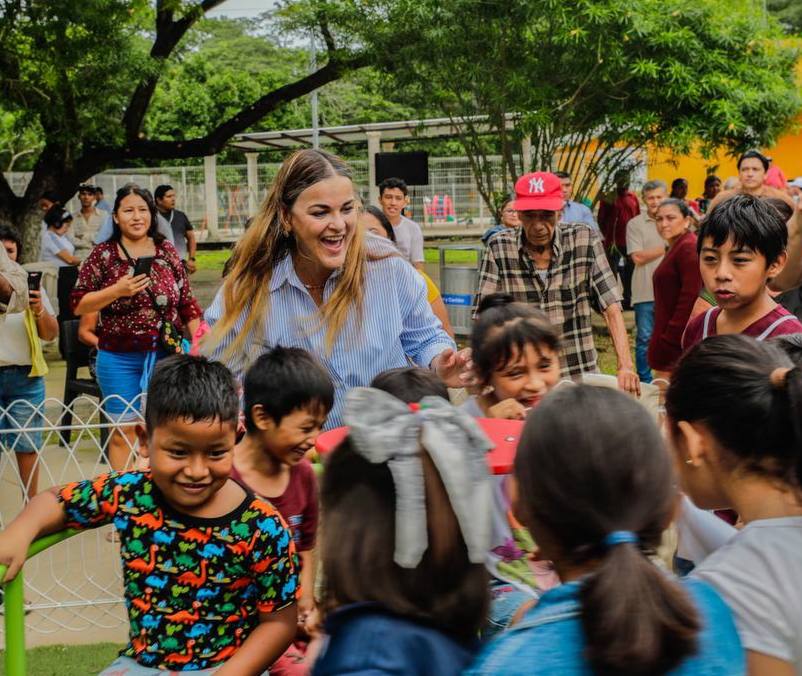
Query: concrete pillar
point(210, 194)
point(374, 147)
point(526, 154)
point(253, 183)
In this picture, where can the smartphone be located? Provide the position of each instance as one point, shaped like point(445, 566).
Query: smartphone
point(34, 281)
point(143, 265)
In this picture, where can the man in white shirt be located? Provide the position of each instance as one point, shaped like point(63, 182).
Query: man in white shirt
point(393, 197)
point(86, 222)
point(646, 248)
point(13, 286)
point(574, 212)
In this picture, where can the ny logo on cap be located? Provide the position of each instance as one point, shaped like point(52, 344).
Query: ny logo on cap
point(536, 185)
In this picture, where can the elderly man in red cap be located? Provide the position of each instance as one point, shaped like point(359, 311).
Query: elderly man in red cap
point(562, 269)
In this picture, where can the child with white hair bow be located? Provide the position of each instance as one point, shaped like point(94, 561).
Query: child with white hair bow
point(406, 505)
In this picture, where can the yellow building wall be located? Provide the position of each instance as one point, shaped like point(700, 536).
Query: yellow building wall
point(663, 165)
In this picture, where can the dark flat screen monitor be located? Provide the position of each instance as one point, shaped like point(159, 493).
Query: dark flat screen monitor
point(412, 168)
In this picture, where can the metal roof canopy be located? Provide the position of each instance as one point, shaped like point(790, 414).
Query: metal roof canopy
point(442, 127)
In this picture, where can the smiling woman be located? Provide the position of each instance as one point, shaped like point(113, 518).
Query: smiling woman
point(137, 283)
point(305, 276)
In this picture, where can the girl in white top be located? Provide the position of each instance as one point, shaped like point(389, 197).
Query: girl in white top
point(734, 408)
point(20, 392)
point(56, 246)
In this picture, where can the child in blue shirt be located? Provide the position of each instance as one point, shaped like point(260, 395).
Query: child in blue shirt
point(209, 570)
point(596, 489)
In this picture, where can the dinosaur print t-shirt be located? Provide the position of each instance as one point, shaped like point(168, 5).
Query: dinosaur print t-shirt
point(193, 587)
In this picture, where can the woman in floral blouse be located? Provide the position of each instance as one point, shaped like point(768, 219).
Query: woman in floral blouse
point(133, 310)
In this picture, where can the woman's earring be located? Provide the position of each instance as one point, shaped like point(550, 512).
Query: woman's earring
point(689, 462)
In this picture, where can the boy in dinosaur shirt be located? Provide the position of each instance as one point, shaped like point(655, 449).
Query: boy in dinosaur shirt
point(209, 570)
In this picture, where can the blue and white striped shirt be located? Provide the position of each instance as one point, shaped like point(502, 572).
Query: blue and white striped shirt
point(396, 324)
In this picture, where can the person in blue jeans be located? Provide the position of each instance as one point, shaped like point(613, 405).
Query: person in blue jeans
point(646, 249)
point(22, 371)
point(597, 489)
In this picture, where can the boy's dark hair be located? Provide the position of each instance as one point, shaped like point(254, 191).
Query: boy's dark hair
point(161, 191)
point(378, 214)
point(711, 179)
point(51, 196)
point(358, 498)
point(98, 190)
point(411, 384)
point(782, 207)
point(754, 154)
point(190, 388)
point(11, 234)
point(393, 182)
point(284, 380)
point(580, 482)
point(750, 222)
point(562, 174)
point(503, 328)
point(725, 382)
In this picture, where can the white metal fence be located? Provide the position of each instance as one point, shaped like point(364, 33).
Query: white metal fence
point(449, 176)
point(76, 586)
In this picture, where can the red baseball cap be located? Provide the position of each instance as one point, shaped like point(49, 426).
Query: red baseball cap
point(539, 190)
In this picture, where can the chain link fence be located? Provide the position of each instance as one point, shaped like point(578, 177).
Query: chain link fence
point(75, 586)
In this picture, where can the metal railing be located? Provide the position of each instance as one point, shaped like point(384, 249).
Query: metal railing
point(78, 586)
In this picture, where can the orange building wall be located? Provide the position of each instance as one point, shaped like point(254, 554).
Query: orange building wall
point(787, 154)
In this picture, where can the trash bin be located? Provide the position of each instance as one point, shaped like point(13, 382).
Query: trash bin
point(459, 282)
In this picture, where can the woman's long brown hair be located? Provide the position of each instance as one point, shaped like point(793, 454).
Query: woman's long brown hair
point(247, 286)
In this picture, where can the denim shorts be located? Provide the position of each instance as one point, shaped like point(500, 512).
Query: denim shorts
point(123, 377)
point(21, 399)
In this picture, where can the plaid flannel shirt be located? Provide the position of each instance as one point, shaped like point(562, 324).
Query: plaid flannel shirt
point(578, 278)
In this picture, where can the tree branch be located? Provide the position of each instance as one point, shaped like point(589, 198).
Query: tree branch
point(214, 141)
point(168, 35)
point(327, 36)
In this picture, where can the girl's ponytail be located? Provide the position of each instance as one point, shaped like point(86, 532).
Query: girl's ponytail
point(637, 619)
point(599, 485)
point(789, 381)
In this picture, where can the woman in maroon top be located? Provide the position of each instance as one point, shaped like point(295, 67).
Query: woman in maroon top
point(133, 309)
point(676, 285)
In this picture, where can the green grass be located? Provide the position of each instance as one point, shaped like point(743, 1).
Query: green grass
point(69, 660)
point(213, 259)
point(432, 255)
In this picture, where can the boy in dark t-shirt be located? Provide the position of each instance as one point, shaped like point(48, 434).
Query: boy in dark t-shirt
point(209, 569)
point(742, 246)
point(287, 396)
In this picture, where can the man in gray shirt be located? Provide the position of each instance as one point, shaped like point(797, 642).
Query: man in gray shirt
point(183, 232)
point(393, 197)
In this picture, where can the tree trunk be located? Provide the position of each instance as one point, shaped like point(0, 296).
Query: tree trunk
point(29, 224)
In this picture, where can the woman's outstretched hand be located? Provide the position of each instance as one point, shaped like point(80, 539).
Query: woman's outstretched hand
point(453, 367)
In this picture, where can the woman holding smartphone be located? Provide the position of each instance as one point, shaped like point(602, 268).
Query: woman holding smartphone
point(22, 369)
point(137, 283)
